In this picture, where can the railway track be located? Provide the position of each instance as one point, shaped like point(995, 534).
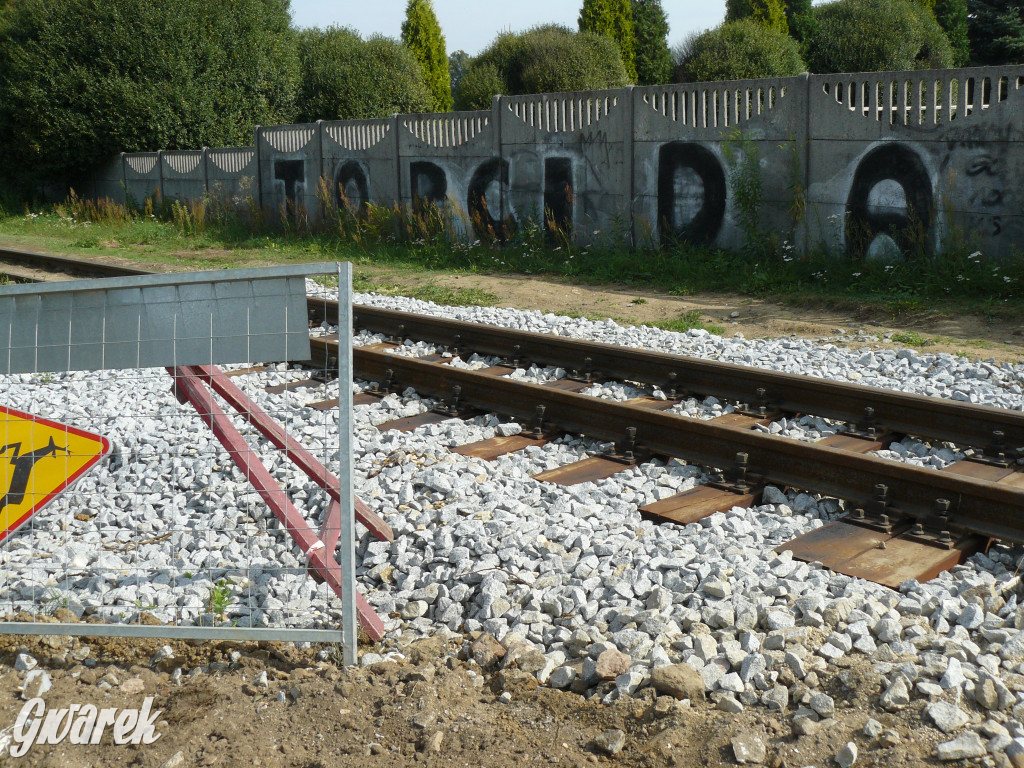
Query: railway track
point(906, 521)
point(25, 267)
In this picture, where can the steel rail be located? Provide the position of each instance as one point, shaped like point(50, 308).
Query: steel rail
point(49, 261)
point(977, 506)
point(933, 418)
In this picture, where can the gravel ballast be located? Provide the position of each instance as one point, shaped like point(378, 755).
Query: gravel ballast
point(559, 576)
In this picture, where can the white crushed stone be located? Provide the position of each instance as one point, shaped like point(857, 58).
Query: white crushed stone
point(481, 546)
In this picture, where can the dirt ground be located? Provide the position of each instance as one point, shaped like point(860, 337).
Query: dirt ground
point(431, 708)
point(970, 335)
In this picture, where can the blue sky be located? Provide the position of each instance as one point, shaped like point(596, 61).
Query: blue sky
point(471, 24)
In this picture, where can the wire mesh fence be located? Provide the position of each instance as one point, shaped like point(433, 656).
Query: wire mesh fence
point(191, 494)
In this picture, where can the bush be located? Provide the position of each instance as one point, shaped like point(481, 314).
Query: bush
point(81, 80)
point(876, 36)
point(738, 50)
point(541, 60)
point(347, 78)
point(767, 13)
point(478, 87)
point(800, 19)
point(613, 18)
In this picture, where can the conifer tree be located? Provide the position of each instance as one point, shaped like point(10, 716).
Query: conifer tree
point(996, 29)
point(767, 13)
point(799, 19)
point(952, 17)
point(613, 18)
point(422, 35)
point(653, 58)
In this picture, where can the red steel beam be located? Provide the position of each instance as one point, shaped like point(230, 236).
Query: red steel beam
point(279, 436)
point(321, 560)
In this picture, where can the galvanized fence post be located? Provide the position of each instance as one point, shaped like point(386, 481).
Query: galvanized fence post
point(348, 546)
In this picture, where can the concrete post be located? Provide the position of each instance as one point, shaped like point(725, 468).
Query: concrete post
point(206, 171)
point(257, 135)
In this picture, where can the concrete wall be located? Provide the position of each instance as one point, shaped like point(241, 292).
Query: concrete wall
point(880, 161)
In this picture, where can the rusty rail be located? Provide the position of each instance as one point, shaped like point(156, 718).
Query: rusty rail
point(911, 492)
point(993, 430)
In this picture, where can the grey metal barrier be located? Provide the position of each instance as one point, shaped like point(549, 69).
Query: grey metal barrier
point(161, 473)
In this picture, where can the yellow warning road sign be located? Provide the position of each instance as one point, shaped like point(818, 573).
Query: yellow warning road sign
point(39, 458)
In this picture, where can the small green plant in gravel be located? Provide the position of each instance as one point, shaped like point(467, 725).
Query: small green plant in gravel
point(222, 595)
point(689, 321)
point(909, 338)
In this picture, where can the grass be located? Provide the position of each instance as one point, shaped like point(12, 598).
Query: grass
point(416, 245)
point(909, 339)
point(689, 321)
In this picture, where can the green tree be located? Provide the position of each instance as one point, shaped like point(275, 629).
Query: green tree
point(458, 63)
point(800, 19)
point(876, 36)
point(543, 59)
point(996, 29)
point(422, 34)
point(613, 18)
point(952, 17)
point(347, 78)
point(81, 80)
point(738, 50)
point(653, 58)
point(768, 13)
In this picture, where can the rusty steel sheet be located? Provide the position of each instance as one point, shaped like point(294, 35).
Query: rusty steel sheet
point(246, 371)
point(652, 403)
point(490, 449)
point(884, 558)
point(277, 389)
point(1014, 480)
point(929, 417)
point(741, 420)
point(990, 509)
point(979, 470)
point(497, 370)
point(1011, 476)
point(362, 398)
point(410, 423)
point(586, 471)
point(568, 385)
point(856, 444)
point(697, 503)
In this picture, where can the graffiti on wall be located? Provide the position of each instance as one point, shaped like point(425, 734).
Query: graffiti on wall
point(890, 204)
point(351, 187)
point(290, 181)
point(487, 188)
point(428, 183)
point(558, 195)
point(691, 193)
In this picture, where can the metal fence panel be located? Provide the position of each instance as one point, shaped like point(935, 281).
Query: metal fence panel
point(169, 535)
point(159, 320)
